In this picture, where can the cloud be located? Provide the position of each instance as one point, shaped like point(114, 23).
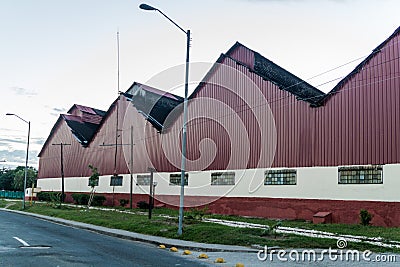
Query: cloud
point(17, 157)
point(38, 140)
point(57, 111)
point(297, 1)
point(23, 91)
point(13, 150)
point(33, 140)
point(7, 141)
point(273, 0)
point(61, 110)
point(13, 156)
point(7, 130)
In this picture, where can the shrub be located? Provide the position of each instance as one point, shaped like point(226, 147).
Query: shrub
point(197, 214)
point(142, 205)
point(269, 231)
point(80, 199)
point(365, 217)
point(44, 196)
point(76, 198)
point(49, 196)
point(98, 200)
point(123, 202)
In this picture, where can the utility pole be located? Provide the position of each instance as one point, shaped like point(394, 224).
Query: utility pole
point(131, 165)
point(62, 168)
point(131, 170)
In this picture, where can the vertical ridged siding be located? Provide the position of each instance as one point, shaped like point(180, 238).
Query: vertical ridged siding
point(242, 54)
point(358, 124)
point(78, 158)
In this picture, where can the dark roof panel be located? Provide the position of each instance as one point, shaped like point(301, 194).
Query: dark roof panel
point(286, 80)
point(83, 127)
point(82, 131)
point(155, 105)
point(270, 71)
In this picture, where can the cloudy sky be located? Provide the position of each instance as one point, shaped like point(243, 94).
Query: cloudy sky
point(57, 53)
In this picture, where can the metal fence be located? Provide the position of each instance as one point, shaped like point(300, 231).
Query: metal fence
point(11, 194)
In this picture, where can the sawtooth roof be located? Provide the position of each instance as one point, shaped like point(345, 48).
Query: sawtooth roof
point(155, 105)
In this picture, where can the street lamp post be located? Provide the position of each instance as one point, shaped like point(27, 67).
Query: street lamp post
point(183, 163)
point(27, 152)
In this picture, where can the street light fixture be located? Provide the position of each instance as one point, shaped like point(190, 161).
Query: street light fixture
point(27, 152)
point(183, 163)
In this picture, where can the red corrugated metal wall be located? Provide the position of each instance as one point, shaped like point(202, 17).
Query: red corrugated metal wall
point(359, 124)
point(226, 124)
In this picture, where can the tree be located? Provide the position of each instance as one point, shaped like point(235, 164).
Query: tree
point(6, 180)
point(93, 181)
point(11, 180)
point(19, 178)
point(94, 178)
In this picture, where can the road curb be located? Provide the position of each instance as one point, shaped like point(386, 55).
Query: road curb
point(155, 240)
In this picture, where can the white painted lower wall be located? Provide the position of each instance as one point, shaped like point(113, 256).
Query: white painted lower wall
point(312, 183)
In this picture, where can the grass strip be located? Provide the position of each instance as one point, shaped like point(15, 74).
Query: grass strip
point(206, 232)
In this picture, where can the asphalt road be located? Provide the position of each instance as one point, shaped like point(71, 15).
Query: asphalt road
point(27, 241)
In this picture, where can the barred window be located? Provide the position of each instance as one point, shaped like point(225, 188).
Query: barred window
point(143, 179)
point(223, 178)
point(280, 177)
point(116, 180)
point(175, 179)
point(360, 175)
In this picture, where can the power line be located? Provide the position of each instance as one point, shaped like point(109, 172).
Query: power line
point(326, 71)
point(273, 101)
point(136, 141)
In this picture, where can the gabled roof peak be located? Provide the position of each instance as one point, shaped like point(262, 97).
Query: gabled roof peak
point(272, 72)
point(83, 126)
point(86, 109)
point(360, 66)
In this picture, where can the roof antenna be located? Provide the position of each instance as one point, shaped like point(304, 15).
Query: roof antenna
point(118, 61)
point(117, 111)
